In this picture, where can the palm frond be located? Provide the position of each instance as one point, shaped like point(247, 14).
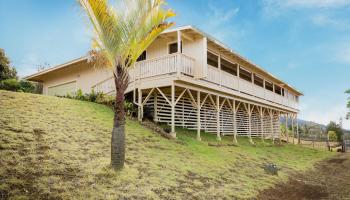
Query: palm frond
point(124, 32)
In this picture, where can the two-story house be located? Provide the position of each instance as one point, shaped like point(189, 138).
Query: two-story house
point(189, 79)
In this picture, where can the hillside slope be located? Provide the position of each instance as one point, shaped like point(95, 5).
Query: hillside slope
point(54, 148)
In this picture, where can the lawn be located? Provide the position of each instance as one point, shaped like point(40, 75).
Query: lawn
point(55, 148)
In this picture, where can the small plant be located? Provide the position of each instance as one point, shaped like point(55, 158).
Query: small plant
point(79, 95)
point(92, 96)
point(129, 108)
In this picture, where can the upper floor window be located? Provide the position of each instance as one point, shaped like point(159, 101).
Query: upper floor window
point(212, 59)
point(245, 74)
point(282, 91)
point(228, 67)
point(173, 48)
point(278, 90)
point(258, 81)
point(269, 86)
point(142, 57)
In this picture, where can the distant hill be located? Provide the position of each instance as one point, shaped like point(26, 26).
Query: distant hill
point(312, 124)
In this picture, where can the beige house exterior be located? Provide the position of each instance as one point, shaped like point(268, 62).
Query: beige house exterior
point(189, 79)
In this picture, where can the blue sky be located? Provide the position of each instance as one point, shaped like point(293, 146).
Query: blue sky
point(306, 43)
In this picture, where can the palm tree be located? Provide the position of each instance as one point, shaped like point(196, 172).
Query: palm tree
point(121, 35)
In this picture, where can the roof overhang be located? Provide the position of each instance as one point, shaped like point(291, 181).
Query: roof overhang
point(39, 76)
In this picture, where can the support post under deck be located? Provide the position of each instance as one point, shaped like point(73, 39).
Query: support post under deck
point(218, 117)
point(173, 133)
point(293, 128)
point(287, 127)
point(140, 106)
point(199, 116)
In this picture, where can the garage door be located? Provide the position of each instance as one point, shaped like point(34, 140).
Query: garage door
point(62, 89)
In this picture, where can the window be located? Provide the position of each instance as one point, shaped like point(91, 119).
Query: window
point(269, 86)
point(228, 67)
point(282, 91)
point(258, 81)
point(212, 59)
point(245, 75)
point(278, 90)
point(142, 57)
point(173, 48)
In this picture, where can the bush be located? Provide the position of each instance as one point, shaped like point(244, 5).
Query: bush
point(79, 95)
point(10, 84)
point(21, 86)
point(130, 108)
point(26, 86)
point(107, 100)
point(100, 98)
point(92, 96)
point(332, 136)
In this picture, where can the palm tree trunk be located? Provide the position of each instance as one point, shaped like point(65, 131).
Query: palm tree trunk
point(118, 132)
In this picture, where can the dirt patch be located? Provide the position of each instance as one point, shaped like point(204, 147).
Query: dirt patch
point(336, 160)
point(329, 180)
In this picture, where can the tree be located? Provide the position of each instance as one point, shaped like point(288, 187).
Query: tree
point(348, 104)
point(332, 135)
point(121, 35)
point(333, 126)
point(6, 71)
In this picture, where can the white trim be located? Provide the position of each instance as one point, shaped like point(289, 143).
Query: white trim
point(63, 83)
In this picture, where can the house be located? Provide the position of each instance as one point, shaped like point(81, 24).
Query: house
point(189, 79)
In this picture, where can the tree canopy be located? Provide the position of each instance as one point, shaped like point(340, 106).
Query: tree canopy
point(6, 71)
point(333, 126)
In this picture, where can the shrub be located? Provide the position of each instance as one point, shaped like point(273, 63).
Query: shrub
point(107, 100)
point(92, 96)
point(130, 108)
point(332, 136)
point(79, 95)
point(10, 84)
point(27, 86)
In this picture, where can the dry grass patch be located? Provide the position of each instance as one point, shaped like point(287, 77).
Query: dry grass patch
point(54, 148)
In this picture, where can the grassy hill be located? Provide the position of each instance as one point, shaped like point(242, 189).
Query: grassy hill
point(54, 148)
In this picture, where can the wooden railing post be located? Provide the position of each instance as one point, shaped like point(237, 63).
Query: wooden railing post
point(178, 64)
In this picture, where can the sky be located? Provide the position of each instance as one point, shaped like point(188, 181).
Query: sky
point(303, 42)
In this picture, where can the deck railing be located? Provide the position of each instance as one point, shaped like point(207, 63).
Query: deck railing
point(171, 64)
point(228, 80)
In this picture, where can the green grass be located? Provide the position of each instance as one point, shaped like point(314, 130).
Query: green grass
point(60, 149)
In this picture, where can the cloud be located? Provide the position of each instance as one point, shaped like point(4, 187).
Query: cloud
point(219, 22)
point(220, 15)
point(343, 55)
point(328, 21)
point(307, 3)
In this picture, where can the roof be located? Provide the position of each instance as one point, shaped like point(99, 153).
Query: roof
point(36, 76)
point(209, 37)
